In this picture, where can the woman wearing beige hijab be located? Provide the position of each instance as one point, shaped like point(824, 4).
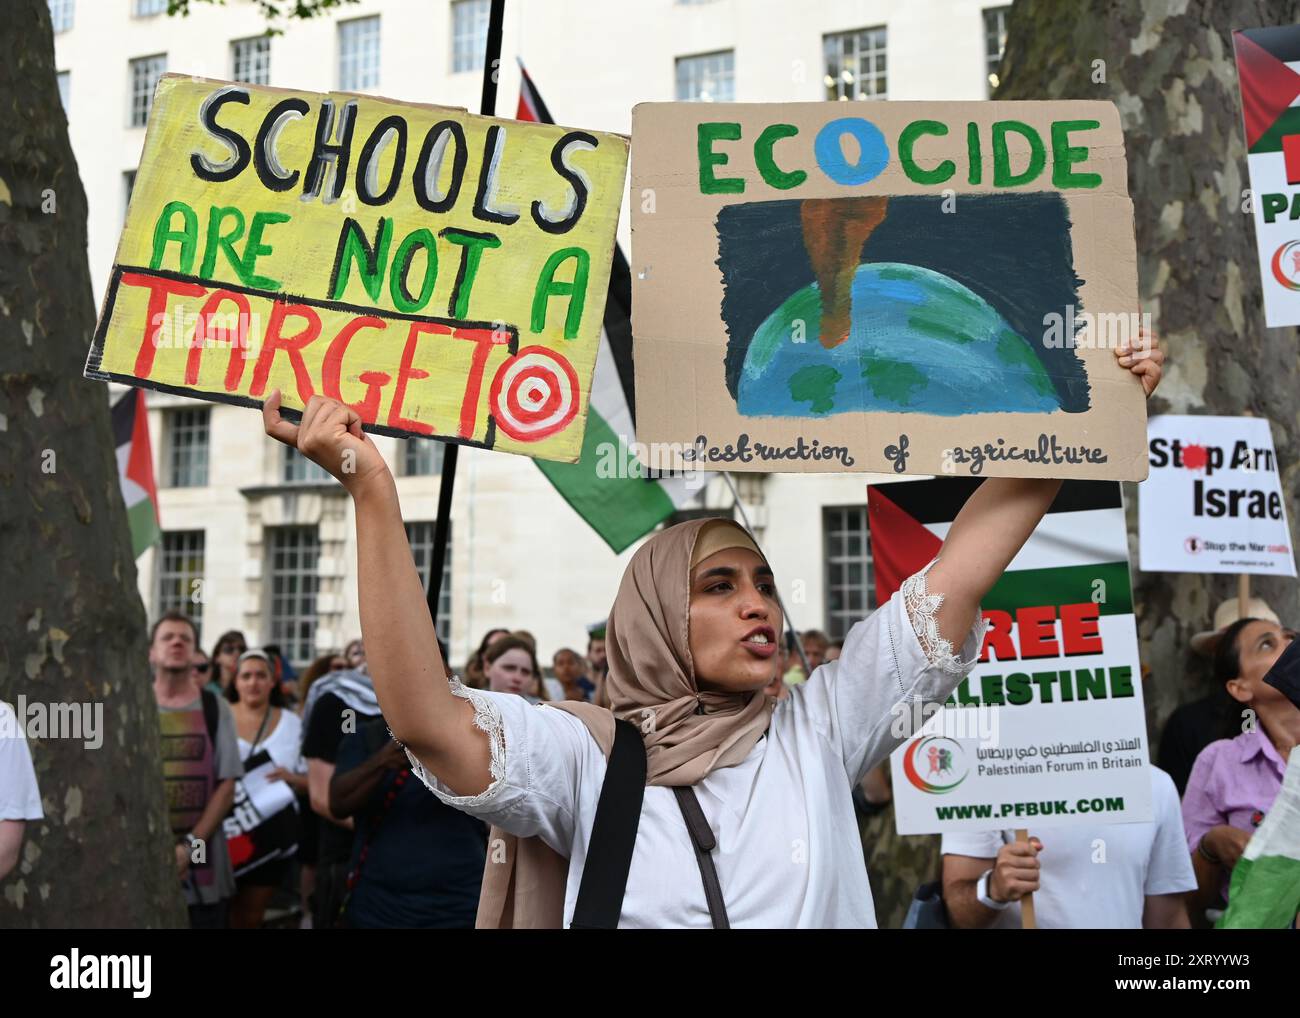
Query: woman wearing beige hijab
point(692, 641)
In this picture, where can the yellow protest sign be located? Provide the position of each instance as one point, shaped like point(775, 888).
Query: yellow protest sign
point(444, 274)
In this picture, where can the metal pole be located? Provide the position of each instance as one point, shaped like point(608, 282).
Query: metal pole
point(744, 518)
point(447, 484)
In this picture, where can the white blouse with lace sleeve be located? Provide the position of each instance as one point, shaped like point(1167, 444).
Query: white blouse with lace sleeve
point(789, 853)
point(894, 662)
point(539, 756)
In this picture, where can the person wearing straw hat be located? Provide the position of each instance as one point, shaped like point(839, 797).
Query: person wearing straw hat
point(711, 773)
point(1203, 643)
point(1193, 726)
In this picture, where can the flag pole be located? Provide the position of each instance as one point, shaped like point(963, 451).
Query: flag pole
point(739, 507)
point(447, 482)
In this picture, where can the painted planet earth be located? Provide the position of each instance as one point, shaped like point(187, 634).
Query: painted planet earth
point(919, 342)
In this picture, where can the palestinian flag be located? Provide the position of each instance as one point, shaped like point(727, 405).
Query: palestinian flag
point(1265, 890)
point(607, 487)
point(135, 469)
point(1268, 69)
point(1077, 554)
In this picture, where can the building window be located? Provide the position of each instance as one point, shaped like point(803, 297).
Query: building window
point(128, 185)
point(65, 89)
point(61, 12)
point(187, 448)
point(420, 536)
point(359, 54)
point(469, 29)
point(180, 574)
point(145, 72)
point(250, 60)
point(850, 581)
point(995, 41)
point(421, 458)
point(709, 77)
point(298, 469)
point(855, 64)
point(148, 8)
point(292, 557)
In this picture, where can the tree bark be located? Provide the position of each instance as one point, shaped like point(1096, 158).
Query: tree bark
point(72, 627)
point(1169, 68)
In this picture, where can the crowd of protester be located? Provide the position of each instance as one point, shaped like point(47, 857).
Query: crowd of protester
point(321, 821)
point(291, 803)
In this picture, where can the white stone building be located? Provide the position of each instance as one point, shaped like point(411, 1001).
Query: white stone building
point(264, 545)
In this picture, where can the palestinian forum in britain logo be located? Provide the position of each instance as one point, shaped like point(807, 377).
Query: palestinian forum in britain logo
point(938, 759)
point(1286, 265)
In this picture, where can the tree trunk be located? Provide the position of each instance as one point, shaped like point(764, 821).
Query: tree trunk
point(72, 628)
point(1169, 68)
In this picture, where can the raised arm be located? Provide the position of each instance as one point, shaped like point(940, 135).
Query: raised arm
point(997, 520)
point(991, 528)
point(401, 647)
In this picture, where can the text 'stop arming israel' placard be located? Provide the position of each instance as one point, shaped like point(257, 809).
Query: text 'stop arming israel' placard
point(1214, 500)
point(924, 288)
point(1048, 729)
point(442, 273)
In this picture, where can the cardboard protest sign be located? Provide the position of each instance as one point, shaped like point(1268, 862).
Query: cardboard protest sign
point(1268, 71)
point(1049, 726)
point(1213, 502)
point(895, 286)
point(444, 274)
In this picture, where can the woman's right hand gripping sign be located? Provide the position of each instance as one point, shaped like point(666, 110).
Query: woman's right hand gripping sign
point(329, 435)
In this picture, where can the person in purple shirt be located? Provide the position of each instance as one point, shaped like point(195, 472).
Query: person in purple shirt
point(1235, 780)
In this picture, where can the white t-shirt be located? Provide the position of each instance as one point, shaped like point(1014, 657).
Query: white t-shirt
point(789, 852)
point(284, 744)
point(1096, 878)
point(20, 799)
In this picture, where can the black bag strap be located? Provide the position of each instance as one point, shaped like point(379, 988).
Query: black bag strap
point(211, 715)
point(613, 833)
point(261, 729)
point(704, 841)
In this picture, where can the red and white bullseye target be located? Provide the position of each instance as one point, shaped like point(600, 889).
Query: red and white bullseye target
point(534, 394)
